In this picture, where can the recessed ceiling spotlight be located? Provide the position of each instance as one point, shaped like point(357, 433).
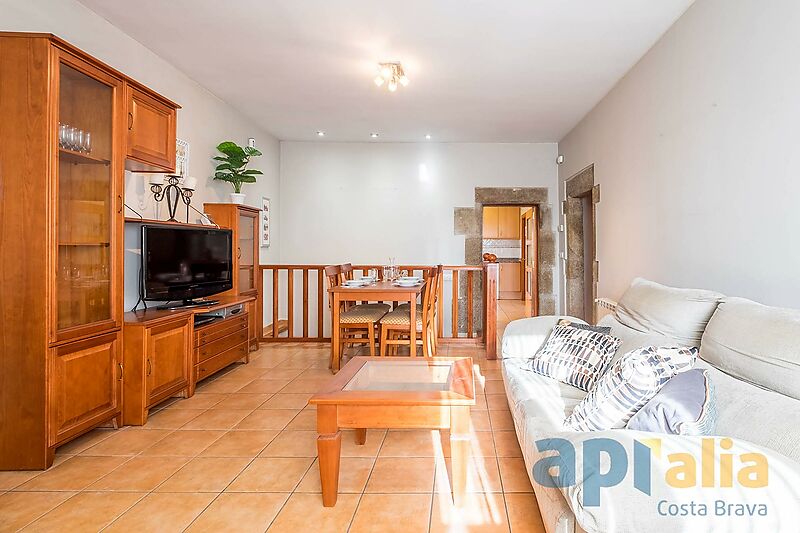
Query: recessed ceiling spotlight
point(428, 136)
point(320, 133)
point(373, 135)
point(391, 74)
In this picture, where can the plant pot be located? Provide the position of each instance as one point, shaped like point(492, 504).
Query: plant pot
point(237, 198)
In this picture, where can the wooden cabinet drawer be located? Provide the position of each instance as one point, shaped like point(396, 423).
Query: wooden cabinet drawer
point(220, 329)
point(218, 362)
point(217, 346)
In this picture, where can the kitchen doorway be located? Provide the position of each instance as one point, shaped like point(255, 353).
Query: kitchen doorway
point(510, 236)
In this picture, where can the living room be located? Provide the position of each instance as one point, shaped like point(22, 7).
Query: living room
point(326, 174)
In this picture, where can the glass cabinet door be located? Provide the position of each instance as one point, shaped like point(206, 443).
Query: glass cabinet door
point(86, 192)
point(246, 251)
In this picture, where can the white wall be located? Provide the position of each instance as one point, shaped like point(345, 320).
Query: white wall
point(695, 151)
point(203, 121)
point(364, 202)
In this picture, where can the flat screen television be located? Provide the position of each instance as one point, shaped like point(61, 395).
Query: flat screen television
point(184, 264)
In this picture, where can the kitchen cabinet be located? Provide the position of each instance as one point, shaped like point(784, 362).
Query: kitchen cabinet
point(490, 222)
point(508, 225)
point(501, 223)
point(510, 281)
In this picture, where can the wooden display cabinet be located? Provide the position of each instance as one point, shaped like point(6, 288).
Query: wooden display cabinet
point(243, 220)
point(61, 246)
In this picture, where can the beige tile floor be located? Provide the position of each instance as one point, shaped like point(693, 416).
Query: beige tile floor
point(241, 456)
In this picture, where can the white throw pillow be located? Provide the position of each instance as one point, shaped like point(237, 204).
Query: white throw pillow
point(576, 355)
point(630, 383)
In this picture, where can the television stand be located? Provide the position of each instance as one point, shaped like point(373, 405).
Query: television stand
point(188, 304)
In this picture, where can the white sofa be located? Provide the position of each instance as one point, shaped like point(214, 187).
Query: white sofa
point(753, 355)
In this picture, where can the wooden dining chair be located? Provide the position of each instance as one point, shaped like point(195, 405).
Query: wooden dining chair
point(396, 325)
point(357, 323)
point(346, 273)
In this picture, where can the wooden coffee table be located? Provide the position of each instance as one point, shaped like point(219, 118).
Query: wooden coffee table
point(397, 393)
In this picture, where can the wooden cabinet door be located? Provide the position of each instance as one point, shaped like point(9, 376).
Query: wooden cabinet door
point(490, 222)
point(168, 358)
point(509, 223)
point(510, 277)
point(84, 385)
point(88, 189)
point(151, 133)
point(247, 251)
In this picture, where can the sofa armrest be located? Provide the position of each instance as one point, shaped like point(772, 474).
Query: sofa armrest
point(667, 507)
point(522, 338)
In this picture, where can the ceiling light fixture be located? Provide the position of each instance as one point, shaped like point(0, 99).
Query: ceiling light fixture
point(320, 133)
point(391, 74)
point(373, 135)
point(428, 136)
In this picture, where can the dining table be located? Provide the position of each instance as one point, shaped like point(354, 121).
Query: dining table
point(379, 291)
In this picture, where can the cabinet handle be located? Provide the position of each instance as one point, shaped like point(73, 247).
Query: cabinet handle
point(121, 371)
point(130, 120)
point(238, 253)
point(119, 203)
point(149, 367)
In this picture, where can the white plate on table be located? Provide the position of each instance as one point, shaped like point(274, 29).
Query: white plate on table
point(407, 283)
point(409, 279)
point(352, 283)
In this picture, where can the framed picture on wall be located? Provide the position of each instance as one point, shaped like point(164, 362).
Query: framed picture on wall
point(265, 216)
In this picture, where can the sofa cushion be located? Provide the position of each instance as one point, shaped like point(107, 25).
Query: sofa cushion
point(685, 405)
point(628, 385)
point(632, 339)
point(575, 356)
point(755, 343)
point(681, 314)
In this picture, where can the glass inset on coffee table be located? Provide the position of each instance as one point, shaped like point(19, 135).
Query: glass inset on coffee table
point(395, 393)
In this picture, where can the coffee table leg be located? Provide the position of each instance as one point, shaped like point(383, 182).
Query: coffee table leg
point(361, 436)
point(329, 447)
point(459, 451)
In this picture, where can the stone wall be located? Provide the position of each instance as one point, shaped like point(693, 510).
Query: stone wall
point(468, 221)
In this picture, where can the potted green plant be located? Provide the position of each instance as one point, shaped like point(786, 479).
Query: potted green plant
point(232, 167)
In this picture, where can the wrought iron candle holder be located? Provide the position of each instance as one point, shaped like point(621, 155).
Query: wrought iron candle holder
point(173, 194)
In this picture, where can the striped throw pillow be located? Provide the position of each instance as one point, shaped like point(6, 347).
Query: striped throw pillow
point(630, 383)
point(575, 356)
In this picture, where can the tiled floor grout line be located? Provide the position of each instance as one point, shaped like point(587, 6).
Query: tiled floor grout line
point(302, 365)
point(364, 490)
point(153, 491)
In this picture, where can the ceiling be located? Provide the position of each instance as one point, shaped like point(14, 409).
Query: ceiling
point(480, 71)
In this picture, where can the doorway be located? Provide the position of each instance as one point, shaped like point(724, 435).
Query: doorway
point(581, 267)
point(510, 232)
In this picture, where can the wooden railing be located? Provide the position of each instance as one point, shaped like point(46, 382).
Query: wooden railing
point(294, 301)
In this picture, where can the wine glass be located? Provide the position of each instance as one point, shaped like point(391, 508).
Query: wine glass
point(373, 274)
point(87, 142)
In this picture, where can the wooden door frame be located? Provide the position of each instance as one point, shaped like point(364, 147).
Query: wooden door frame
point(533, 217)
